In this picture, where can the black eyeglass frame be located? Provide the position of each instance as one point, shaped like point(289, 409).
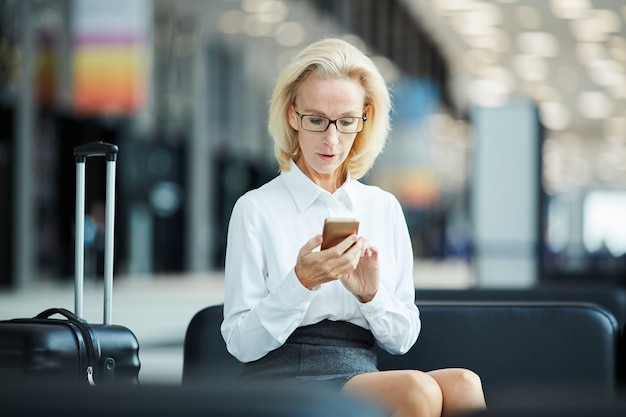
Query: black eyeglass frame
point(331, 122)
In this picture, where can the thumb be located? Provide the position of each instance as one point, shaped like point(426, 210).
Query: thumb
point(311, 244)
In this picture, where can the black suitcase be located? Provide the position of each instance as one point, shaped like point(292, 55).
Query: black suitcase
point(58, 345)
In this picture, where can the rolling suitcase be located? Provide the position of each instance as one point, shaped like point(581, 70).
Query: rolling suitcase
point(58, 345)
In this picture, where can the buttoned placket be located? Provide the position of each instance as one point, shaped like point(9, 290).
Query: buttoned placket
point(338, 204)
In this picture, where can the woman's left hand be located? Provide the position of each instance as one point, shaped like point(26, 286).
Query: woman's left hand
point(364, 280)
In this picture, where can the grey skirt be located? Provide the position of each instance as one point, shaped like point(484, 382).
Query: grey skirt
point(324, 355)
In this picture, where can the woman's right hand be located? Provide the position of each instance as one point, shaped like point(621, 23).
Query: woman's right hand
point(314, 268)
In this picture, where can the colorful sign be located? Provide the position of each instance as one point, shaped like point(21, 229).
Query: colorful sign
point(110, 59)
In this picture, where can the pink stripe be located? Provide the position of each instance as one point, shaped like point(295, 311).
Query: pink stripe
point(91, 39)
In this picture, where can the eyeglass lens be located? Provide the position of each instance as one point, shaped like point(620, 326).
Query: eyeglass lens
point(343, 124)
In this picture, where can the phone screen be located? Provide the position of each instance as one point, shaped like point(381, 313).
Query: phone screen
point(337, 229)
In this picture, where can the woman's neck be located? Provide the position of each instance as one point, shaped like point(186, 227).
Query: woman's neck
point(329, 182)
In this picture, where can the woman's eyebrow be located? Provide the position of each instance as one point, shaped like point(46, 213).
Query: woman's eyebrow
point(323, 114)
point(313, 112)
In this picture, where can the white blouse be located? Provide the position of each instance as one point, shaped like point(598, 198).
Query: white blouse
point(264, 300)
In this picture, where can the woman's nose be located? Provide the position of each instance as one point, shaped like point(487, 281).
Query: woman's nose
point(331, 136)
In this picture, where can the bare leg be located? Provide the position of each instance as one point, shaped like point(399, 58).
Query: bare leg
point(461, 388)
point(406, 393)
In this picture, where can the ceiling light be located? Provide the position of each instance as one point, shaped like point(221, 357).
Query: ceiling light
point(478, 20)
point(502, 75)
point(608, 20)
point(488, 14)
point(595, 104)
point(606, 72)
point(251, 6)
point(469, 24)
point(588, 30)
point(542, 44)
point(273, 11)
point(570, 9)
point(596, 26)
point(488, 92)
point(455, 5)
point(554, 115)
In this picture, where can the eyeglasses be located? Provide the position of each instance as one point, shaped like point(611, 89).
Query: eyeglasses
point(314, 123)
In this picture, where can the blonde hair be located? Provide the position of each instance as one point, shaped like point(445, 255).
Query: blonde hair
point(332, 59)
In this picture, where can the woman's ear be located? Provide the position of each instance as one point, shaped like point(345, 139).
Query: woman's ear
point(366, 109)
point(293, 119)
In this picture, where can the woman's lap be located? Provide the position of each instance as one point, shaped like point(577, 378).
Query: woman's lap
point(324, 355)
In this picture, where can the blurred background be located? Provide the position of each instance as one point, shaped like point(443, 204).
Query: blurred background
point(508, 149)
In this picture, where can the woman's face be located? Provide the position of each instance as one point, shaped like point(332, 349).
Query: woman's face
point(323, 153)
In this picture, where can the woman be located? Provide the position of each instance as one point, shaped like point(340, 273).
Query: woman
point(295, 313)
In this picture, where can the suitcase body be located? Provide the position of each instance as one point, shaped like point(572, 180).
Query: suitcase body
point(58, 345)
point(45, 349)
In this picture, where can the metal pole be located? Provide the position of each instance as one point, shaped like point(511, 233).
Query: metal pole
point(23, 181)
point(79, 249)
point(108, 241)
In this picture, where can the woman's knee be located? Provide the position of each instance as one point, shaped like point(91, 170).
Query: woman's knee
point(468, 380)
point(405, 392)
point(462, 389)
point(421, 387)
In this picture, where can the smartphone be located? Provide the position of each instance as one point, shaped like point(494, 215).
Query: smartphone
point(337, 229)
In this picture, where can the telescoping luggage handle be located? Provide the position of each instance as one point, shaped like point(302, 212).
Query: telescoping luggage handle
point(81, 153)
